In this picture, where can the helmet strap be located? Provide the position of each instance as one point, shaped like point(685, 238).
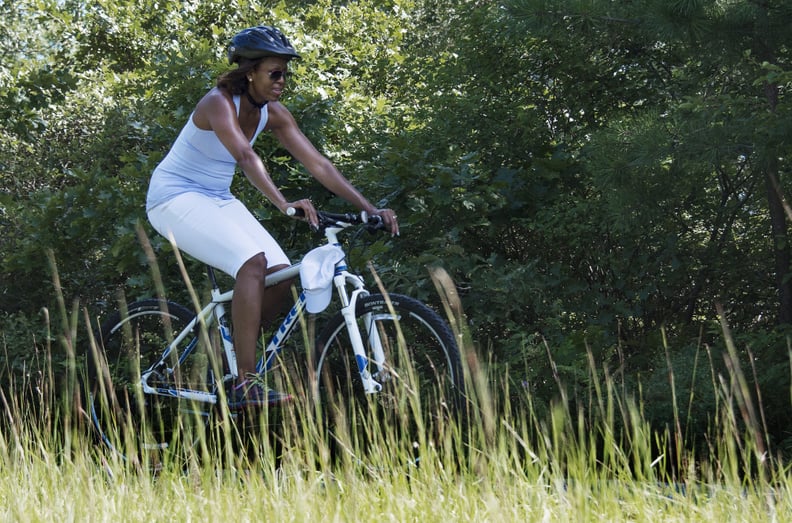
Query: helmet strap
point(253, 102)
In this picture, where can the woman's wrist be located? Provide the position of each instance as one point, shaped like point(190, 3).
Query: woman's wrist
point(367, 207)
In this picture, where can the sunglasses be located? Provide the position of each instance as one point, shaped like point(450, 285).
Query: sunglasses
point(277, 75)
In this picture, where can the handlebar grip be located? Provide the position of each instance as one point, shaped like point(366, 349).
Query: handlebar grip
point(294, 211)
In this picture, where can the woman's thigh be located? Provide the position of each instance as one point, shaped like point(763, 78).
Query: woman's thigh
point(221, 233)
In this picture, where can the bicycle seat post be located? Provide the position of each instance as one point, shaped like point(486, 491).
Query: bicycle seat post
point(212, 278)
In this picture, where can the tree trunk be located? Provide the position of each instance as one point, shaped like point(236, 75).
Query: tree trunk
point(781, 250)
point(778, 223)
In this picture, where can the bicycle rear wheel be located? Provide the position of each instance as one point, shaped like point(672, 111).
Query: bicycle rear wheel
point(139, 426)
point(422, 384)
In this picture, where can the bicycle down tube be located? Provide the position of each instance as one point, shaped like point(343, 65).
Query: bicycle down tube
point(341, 279)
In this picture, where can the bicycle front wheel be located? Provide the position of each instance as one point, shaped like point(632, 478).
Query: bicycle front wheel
point(422, 383)
point(137, 425)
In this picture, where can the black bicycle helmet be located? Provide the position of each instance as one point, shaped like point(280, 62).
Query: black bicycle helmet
point(258, 42)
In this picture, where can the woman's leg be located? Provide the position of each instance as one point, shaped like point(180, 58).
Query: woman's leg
point(276, 299)
point(254, 306)
point(224, 234)
point(246, 312)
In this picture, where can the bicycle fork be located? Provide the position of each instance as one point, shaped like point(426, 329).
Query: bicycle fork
point(370, 384)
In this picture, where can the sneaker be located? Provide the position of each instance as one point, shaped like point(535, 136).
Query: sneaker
point(250, 394)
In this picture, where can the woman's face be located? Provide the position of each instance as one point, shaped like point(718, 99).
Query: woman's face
point(268, 79)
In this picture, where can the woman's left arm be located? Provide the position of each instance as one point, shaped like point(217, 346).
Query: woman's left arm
point(284, 128)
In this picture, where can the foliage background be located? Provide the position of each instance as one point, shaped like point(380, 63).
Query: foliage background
point(596, 176)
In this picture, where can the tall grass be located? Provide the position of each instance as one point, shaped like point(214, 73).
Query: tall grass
point(601, 460)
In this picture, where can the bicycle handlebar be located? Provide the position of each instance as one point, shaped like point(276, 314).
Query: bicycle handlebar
point(329, 219)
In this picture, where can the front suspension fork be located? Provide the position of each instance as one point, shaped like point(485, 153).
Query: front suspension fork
point(370, 384)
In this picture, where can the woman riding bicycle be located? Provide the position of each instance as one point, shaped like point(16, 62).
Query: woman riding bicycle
point(189, 198)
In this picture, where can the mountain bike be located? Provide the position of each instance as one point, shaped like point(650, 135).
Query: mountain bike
point(160, 372)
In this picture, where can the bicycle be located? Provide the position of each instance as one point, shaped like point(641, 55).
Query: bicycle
point(161, 371)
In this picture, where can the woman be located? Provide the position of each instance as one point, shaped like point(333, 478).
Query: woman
point(189, 198)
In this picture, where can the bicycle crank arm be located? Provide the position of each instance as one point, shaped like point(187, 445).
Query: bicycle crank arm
point(187, 394)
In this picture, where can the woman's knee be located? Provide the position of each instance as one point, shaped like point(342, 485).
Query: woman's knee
point(254, 266)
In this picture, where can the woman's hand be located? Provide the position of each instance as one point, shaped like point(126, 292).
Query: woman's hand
point(308, 212)
point(389, 218)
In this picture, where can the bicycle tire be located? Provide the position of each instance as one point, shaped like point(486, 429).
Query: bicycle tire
point(140, 426)
point(422, 390)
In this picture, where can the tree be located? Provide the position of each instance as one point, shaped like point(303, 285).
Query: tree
point(707, 67)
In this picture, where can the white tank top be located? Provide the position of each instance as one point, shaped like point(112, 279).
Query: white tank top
point(197, 162)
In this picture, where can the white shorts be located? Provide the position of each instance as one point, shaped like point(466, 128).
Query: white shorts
point(220, 233)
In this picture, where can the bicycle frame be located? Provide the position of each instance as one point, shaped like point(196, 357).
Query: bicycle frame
point(215, 312)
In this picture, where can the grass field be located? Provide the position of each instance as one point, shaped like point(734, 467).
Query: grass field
point(510, 465)
point(501, 478)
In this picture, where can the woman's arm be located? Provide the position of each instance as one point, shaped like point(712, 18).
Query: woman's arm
point(285, 129)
